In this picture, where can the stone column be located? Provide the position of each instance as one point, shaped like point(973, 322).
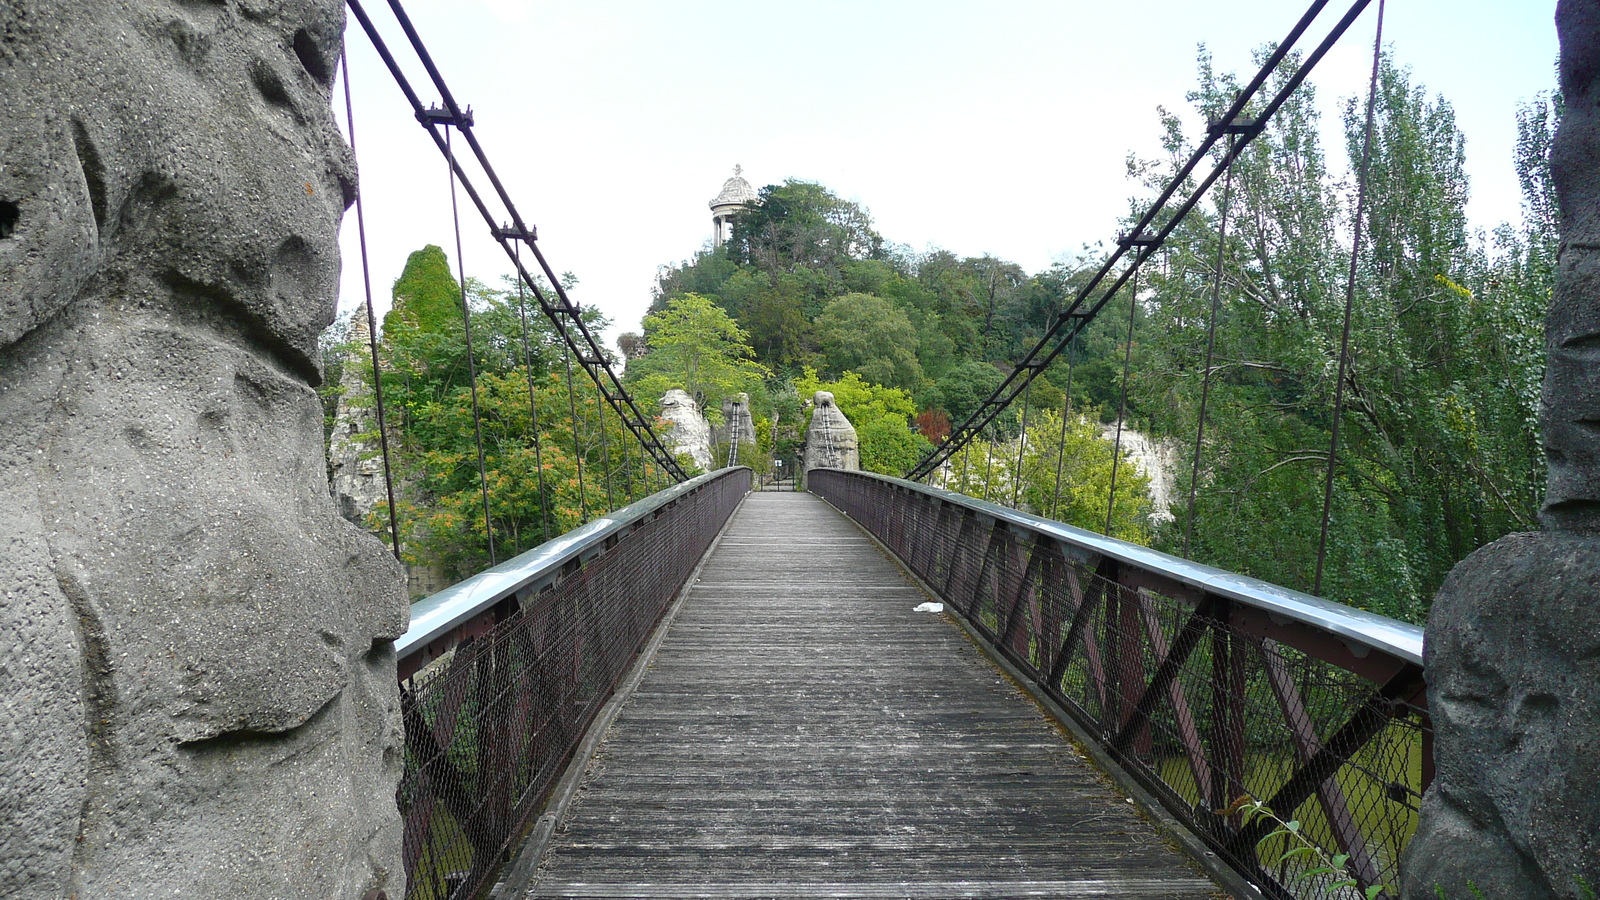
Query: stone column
point(355, 462)
point(830, 440)
point(197, 676)
point(737, 425)
point(689, 432)
point(1513, 641)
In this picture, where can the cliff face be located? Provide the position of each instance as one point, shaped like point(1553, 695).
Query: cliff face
point(1156, 460)
point(200, 695)
point(737, 425)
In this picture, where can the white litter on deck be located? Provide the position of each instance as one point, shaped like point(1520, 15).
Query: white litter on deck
point(930, 607)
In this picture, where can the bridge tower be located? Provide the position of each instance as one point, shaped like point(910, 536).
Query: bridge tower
point(735, 194)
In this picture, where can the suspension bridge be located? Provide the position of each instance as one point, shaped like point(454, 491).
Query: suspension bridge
point(877, 687)
point(880, 688)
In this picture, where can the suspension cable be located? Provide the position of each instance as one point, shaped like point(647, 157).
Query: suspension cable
point(988, 469)
point(1146, 232)
point(1211, 346)
point(635, 482)
point(1122, 406)
point(472, 365)
point(372, 321)
point(1349, 301)
point(605, 450)
point(577, 445)
point(1066, 415)
point(564, 315)
point(1022, 443)
point(533, 415)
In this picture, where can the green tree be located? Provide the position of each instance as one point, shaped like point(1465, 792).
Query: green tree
point(1435, 456)
point(1083, 459)
point(427, 297)
point(588, 464)
point(695, 345)
point(867, 335)
point(802, 225)
point(965, 387)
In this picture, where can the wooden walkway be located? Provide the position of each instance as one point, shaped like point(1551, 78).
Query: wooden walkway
point(805, 733)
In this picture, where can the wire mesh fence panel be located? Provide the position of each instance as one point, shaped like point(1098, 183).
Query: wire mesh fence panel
point(1218, 694)
point(492, 720)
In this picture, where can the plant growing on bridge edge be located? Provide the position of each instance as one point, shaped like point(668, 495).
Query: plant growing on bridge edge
point(1322, 863)
point(1301, 847)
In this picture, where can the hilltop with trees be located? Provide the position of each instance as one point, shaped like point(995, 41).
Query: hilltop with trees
point(1439, 454)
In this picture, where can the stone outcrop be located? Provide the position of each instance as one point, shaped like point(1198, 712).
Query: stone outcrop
point(1513, 641)
point(831, 439)
point(736, 422)
point(689, 432)
point(197, 694)
point(355, 460)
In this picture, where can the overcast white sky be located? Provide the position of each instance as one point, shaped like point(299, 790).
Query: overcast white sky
point(999, 127)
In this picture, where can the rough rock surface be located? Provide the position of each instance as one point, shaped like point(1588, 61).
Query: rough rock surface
point(197, 693)
point(1513, 663)
point(736, 422)
point(1157, 461)
point(1513, 641)
point(689, 432)
point(355, 462)
point(831, 439)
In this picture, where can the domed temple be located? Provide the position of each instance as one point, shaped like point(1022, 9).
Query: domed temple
point(735, 194)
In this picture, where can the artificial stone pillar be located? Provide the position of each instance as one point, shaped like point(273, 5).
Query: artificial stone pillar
point(831, 441)
point(197, 675)
point(689, 432)
point(1513, 641)
point(737, 425)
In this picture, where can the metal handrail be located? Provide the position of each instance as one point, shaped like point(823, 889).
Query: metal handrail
point(1203, 686)
point(502, 674)
point(439, 614)
point(1365, 629)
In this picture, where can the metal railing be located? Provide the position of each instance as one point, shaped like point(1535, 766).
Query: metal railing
point(1204, 686)
point(502, 674)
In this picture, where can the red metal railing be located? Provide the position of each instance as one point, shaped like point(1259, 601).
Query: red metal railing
point(502, 674)
point(1205, 686)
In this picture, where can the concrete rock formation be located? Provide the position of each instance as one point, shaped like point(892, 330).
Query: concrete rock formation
point(690, 432)
point(355, 462)
point(197, 694)
point(355, 459)
point(831, 439)
point(1513, 641)
point(1513, 656)
point(736, 422)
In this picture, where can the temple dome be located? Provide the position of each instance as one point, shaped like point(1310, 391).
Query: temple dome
point(735, 191)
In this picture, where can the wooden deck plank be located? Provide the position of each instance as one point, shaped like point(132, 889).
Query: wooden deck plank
point(804, 733)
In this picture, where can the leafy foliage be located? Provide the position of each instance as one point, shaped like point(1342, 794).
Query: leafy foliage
point(1438, 453)
point(540, 481)
point(692, 344)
